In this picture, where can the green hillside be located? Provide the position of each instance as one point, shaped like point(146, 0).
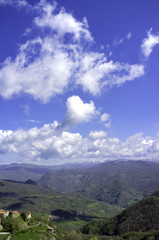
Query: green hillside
point(137, 220)
point(117, 182)
point(35, 198)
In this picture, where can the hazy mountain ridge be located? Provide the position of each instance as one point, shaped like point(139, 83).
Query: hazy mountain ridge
point(25, 171)
point(116, 182)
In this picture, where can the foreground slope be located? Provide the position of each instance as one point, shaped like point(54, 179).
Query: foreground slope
point(140, 217)
point(116, 182)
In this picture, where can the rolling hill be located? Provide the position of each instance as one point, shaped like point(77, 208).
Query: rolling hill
point(139, 221)
point(117, 182)
point(30, 196)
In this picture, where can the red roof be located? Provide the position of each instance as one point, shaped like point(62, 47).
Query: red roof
point(14, 212)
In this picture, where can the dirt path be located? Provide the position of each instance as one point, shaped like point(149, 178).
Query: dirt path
point(9, 237)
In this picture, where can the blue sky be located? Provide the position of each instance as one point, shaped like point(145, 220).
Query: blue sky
point(78, 80)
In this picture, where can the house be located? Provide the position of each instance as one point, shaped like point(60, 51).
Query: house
point(14, 214)
point(28, 215)
point(4, 213)
point(50, 229)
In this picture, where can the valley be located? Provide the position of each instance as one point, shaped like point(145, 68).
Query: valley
point(115, 182)
point(91, 200)
point(79, 120)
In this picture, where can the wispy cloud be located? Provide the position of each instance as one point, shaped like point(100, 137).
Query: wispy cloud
point(63, 22)
point(105, 118)
point(149, 43)
point(119, 41)
point(129, 35)
point(31, 121)
point(26, 108)
point(18, 3)
point(60, 59)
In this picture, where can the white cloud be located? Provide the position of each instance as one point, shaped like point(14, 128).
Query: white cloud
point(62, 22)
point(108, 124)
point(78, 111)
point(95, 72)
point(27, 32)
point(97, 134)
point(119, 41)
point(105, 117)
point(128, 73)
point(129, 35)
point(5, 2)
point(55, 62)
point(18, 3)
point(94, 68)
point(26, 108)
point(44, 77)
point(37, 144)
point(149, 43)
point(31, 121)
point(46, 143)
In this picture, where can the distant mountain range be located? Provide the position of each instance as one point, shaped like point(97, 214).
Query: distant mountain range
point(115, 182)
point(24, 171)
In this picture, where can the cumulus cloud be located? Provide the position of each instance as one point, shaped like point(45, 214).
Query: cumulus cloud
point(37, 144)
point(46, 143)
point(149, 43)
point(77, 112)
point(59, 58)
point(97, 134)
point(155, 145)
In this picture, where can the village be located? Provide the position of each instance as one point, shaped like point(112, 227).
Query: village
point(23, 216)
point(13, 214)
